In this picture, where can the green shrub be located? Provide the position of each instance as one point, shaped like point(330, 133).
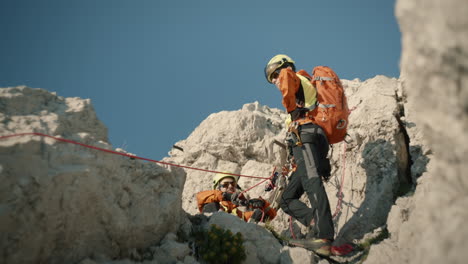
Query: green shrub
point(218, 245)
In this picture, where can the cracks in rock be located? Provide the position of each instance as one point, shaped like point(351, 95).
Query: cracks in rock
point(402, 141)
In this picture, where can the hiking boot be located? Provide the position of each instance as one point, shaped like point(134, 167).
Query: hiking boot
point(320, 246)
point(311, 233)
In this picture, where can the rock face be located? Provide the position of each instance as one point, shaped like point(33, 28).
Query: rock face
point(235, 141)
point(430, 226)
point(260, 245)
point(377, 162)
point(60, 203)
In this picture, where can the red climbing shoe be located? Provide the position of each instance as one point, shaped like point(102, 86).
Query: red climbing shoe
point(342, 250)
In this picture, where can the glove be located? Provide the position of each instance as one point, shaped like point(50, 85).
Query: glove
point(298, 113)
point(232, 197)
point(272, 183)
point(257, 215)
point(211, 208)
point(256, 203)
point(324, 169)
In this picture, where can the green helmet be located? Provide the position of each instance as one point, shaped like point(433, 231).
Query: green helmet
point(277, 62)
point(220, 176)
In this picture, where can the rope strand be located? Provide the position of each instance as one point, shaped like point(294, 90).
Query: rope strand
point(340, 192)
point(125, 154)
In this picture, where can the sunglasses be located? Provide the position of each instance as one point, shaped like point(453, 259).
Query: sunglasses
point(226, 184)
point(274, 75)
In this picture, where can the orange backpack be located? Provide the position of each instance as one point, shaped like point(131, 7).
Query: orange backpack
point(332, 111)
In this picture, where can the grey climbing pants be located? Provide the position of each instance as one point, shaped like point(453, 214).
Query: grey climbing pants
point(306, 179)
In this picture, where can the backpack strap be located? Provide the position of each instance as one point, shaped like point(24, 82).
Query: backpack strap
point(319, 78)
point(326, 105)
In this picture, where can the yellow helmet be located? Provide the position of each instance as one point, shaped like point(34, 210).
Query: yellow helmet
point(277, 62)
point(220, 176)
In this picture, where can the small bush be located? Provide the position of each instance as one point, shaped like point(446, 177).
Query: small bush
point(218, 245)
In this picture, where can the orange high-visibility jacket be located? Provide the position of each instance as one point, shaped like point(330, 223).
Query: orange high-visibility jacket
point(289, 84)
point(216, 196)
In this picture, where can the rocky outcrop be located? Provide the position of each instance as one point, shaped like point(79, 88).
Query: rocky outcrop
point(430, 226)
point(260, 245)
point(377, 165)
point(236, 141)
point(61, 203)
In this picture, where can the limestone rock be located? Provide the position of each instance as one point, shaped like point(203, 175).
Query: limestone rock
point(376, 164)
point(61, 203)
point(260, 245)
point(296, 255)
point(430, 226)
point(241, 142)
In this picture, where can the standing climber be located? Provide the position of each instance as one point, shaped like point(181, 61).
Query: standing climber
point(309, 147)
point(226, 196)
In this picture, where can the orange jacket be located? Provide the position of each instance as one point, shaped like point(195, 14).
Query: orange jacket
point(216, 196)
point(289, 85)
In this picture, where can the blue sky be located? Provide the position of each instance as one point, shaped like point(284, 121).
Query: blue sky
point(155, 69)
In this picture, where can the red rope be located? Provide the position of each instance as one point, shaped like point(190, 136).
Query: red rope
point(291, 227)
point(127, 155)
point(340, 192)
point(265, 179)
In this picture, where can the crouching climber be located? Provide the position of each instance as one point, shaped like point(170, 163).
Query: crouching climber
point(226, 196)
